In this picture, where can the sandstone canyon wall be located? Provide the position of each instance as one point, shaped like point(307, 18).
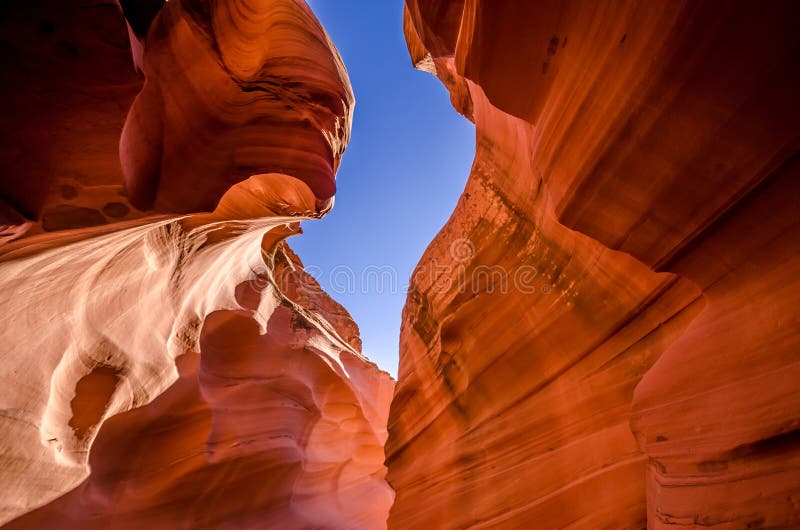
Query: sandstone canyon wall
point(166, 363)
point(605, 333)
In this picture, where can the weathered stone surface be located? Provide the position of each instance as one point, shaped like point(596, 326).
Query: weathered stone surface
point(638, 161)
point(604, 334)
point(68, 82)
point(263, 93)
point(165, 371)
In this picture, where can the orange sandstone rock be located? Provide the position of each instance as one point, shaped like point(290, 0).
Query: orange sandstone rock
point(166, 371)
point(637, 162)
point(234, 89)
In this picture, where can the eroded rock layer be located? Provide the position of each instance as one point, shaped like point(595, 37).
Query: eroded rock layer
point(234, 89)
point(178, 371)
point(604, 335)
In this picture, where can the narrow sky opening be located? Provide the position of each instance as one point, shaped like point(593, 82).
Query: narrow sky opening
point(402, 174)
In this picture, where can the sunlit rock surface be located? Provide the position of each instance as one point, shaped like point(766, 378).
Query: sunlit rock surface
point(605, 333)
point(162, 370)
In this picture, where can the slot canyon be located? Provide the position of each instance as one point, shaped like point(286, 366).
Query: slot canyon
point(604, 334)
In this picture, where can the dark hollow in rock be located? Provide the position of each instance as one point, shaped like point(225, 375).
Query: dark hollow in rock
point(63, 217)
point(116, 209)
point(68, 192)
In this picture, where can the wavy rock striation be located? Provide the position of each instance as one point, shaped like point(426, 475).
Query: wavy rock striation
point(262, 93)
point(180, 371)
point(604, 334)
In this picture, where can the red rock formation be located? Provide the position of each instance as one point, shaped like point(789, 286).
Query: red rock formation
point(604, 334)
point(249, 100)
point(261, 93)
point(164, 371)
point(68, 82)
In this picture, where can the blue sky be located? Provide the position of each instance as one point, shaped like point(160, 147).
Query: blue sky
point(405, 167)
